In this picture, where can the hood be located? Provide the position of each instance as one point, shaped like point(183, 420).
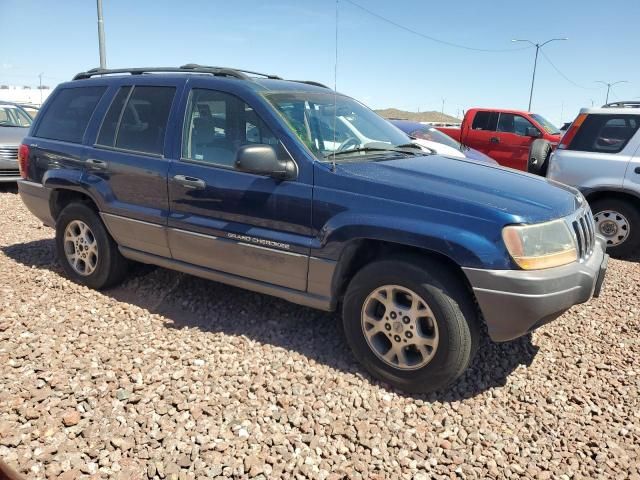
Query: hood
point(455, 185)
point(12, 135)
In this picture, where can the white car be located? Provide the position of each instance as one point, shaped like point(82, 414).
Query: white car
point(600, 155)
point(432, 139)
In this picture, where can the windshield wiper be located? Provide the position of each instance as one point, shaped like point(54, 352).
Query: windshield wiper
point(362, 149)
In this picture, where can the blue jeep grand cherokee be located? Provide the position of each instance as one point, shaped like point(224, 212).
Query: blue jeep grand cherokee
point(290, 189)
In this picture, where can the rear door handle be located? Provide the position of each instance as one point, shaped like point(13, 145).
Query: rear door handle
point(494, 140)
point(190, 182)
point(97, 164)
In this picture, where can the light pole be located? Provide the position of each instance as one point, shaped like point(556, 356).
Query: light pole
point(535, 62)
point(40, 78)
point(103, 55)
point(609, 85)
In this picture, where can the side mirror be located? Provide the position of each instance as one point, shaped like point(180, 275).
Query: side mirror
point(533, 132)
point(262, 159)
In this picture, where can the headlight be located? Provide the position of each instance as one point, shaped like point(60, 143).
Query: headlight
point(543, 245)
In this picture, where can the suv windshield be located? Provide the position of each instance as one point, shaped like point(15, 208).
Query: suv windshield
point(328, 124)
point(549, 127)
point(14, 116)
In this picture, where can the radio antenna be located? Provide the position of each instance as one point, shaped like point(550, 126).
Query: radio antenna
point(335, 94)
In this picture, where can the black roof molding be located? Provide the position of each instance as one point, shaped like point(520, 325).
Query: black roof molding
point(189, 68)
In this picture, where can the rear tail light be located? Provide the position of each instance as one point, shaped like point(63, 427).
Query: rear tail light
point(565, 141)
point(23, 160)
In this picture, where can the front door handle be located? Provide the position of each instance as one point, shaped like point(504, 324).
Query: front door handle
point(190, 182)
point(494, 140)
point(96, 164)
point(637, 170)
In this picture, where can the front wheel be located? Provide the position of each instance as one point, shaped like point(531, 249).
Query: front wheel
point(618, 221)
point(87, 252)
point(411, 322)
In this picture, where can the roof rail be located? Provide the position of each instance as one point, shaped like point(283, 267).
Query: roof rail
point(188, 68)
point(195, 66)
point(311, 82)
point(623, 104)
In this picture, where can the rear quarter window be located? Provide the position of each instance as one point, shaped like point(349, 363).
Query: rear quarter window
point(605, 133)
point(67, 116)
point(485, 121)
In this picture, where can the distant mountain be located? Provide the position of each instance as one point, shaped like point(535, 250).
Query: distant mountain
point(394, 113)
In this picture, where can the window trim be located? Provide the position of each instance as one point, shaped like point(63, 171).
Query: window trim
point(188, 109)
point(106, 112)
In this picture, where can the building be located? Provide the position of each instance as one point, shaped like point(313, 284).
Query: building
point(24, 94)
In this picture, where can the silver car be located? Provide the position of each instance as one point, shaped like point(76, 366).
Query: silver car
point(600, 155)
point(14, 125)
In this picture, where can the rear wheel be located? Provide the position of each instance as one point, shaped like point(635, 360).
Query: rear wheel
point(411, 322)
point(618, 221)
point(86, 251)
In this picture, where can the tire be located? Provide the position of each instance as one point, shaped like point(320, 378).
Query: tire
point(453, 323)
point(96, 252)
point(539, 154)
point(623, 238)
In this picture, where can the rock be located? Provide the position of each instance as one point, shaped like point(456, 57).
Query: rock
point(71, 418)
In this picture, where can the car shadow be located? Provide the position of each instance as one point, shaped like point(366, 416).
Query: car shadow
point(190, 302)
point(8, 187)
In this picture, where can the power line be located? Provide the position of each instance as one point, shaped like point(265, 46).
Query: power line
point(428, 37)
point(559, 72)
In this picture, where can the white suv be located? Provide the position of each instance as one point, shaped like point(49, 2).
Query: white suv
point(600, 155)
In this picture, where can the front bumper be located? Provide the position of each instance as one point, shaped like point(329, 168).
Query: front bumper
point(515, 302)
point(9, 171)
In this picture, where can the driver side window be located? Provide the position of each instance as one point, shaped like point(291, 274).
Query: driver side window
point(511, 123)
point(217, 124)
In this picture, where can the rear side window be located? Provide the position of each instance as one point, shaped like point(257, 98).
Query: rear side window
point(605, 133)
point(68, 114)
point(485, 121)
point(137, 119)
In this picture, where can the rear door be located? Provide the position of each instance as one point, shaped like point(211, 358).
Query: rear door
point(128, 166)
point(248, 225)
point(512, 150)
point(482, 133)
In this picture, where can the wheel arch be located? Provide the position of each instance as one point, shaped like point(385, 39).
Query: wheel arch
point(360, 252)
point(599, 194)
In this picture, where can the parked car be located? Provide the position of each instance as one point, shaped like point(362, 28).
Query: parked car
point(14, 125)
point(600, 155)
point(442, 144)
point(31, 109)
point(239, 178)
point(507, 136)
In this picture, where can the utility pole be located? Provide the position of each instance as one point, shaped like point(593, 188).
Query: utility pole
point(609, 85)
point(40, 78)
point(103, 55)
point(535, 61)
point(442, 111)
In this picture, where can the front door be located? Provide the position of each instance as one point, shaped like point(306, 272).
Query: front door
point(513, 147)
point(248, 225)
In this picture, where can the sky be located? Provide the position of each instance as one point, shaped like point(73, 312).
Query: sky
point(380, 64)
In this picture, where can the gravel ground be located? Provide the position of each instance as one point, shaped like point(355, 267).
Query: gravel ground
point(170, 376)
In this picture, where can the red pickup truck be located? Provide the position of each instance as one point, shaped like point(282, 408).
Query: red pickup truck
point(507, 136)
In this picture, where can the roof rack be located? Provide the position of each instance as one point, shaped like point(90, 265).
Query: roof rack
point(188, 68)
point(623, 104)
point(311, 82)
